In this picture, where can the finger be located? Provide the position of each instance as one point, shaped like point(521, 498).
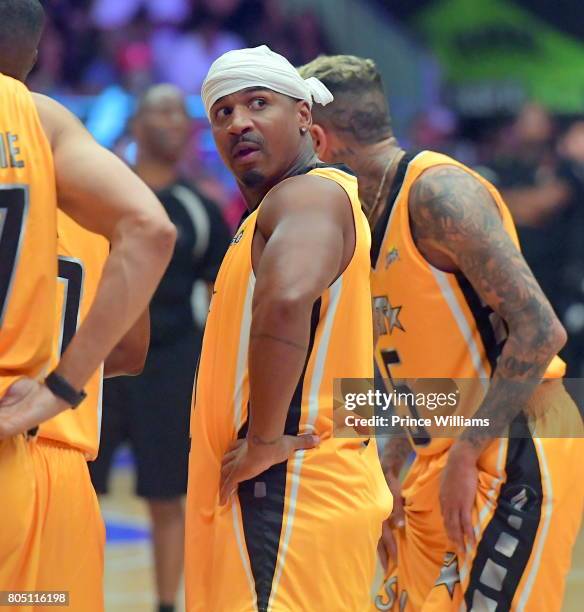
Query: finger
point(230, 454)
point(453, 528)
point(398, 518)
point(304, 442)
point(467, 528)
point(17, 391)
point(382, 554)
point(226, 489)
point(235, 444)
point(225, 482)
point(389, 541)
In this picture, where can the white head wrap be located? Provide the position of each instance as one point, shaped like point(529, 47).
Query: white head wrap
point(259, 67)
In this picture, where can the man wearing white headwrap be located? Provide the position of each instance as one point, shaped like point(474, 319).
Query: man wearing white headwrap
point(283, 514)
point(258, 67)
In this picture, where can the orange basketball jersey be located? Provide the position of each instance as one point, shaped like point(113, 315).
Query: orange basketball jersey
point(319, 502)
point(28, 237)
point(82, 256)
point(431, 324)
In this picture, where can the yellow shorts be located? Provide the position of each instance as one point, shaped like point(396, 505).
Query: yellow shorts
point(51, 531)
point(526, 518)
point(301, 537)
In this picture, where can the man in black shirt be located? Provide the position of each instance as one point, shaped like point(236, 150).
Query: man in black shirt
point(152, 410)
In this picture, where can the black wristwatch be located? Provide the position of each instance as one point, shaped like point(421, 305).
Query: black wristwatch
point(63, 390)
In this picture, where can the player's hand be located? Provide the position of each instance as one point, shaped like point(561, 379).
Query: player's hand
point(26, 404)
point(458, 490)
point(387, 548)
point(244, 460)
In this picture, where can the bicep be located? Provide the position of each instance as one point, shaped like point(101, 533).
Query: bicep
point(94, 187)
point(97, 189)
point(303, 254)
point(456, 215)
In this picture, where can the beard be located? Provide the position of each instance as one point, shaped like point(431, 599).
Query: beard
point(253, 178)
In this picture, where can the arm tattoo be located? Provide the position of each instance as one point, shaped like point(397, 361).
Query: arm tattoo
point(453, 213)
point(300, 347)
point(395, 453)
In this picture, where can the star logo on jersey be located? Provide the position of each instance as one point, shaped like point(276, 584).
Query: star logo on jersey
point(391, 257)
point(386, 316)
point(449, 573)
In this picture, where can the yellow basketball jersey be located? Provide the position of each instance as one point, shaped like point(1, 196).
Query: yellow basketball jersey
point(431, 324)
point(28, 237)
point(318, 498)
point(340, 343)
point(82, 256)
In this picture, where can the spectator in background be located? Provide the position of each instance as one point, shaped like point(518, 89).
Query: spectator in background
point(48, 74)
point(571, 151)
point(437, 129)
point(183, 58)
point(529, 177)
point(152, 410)
point(308, 37)
point(114, 14)
point(107, 117)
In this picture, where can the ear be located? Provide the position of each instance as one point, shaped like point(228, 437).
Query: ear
point(304, 115)
point(319, 140)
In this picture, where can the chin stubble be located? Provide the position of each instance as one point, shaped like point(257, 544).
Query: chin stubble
point(252, 178)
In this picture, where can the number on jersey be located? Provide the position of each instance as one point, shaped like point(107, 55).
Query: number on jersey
point(71, 275)
point(13, 209)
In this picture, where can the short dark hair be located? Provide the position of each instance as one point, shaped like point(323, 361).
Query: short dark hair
point(360, 108)
point(21, 24)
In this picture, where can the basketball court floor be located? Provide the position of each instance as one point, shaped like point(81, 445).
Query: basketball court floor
point(129, 582)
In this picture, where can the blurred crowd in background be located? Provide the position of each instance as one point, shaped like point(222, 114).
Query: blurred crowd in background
point(98, 55)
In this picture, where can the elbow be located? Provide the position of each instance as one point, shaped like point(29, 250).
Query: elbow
point(134, 364)
point(163, 237)
point(124, 361)
point(134, 357)
point(541, 335)
point(157, 232)
point(557, 336)
point(123, 367)
point(550, 338)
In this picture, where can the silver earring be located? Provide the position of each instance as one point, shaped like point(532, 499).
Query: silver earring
point(303, 130)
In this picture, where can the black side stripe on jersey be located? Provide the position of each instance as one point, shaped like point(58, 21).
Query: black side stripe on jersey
point(380, 228)
point(507, 542)
point(482, 315)
point(262, 498)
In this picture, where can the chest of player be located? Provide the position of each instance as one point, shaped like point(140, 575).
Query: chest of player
point(405, 292)
point(235, 279)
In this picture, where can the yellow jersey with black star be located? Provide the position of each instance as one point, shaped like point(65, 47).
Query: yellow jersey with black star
point(431, 324)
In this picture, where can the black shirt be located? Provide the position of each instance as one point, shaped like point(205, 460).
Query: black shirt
point(202, 239)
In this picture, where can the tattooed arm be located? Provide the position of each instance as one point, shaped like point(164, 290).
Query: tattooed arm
point(457, 227)
point(395, 453)
point(456, 221)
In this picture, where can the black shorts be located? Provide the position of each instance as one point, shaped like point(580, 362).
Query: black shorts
point(152, 413)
